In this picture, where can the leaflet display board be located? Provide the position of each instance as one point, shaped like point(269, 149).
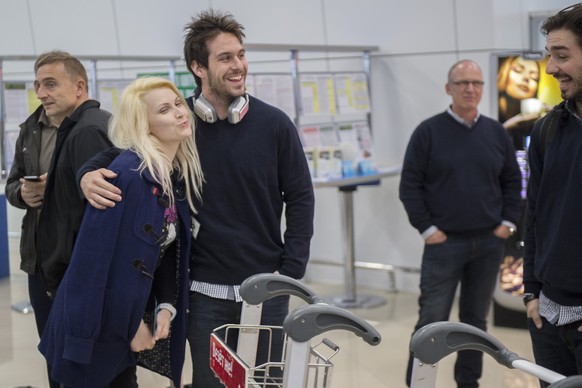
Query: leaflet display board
point(274, 89)
point(352, 92)
point(19, 102)
point(523, 93)
point(110, 91)
point(317, 94)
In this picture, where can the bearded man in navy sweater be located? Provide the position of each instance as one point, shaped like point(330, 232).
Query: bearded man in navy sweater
point(460, 186)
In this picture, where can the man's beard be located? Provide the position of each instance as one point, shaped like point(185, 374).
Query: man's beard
point(220, 91)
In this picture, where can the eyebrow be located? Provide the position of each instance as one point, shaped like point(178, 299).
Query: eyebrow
point(557, 47)
point(223, 53)
point(163, 105)
point(48, 79)
point(37, 82)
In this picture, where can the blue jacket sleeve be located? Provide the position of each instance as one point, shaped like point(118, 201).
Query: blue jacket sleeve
point(86, 280)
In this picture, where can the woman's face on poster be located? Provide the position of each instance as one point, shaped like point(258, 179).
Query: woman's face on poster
point(523, 79)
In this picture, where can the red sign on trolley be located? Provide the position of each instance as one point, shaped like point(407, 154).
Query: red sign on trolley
point(231, 371)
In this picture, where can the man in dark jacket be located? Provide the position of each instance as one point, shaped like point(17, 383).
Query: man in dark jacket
point(62, 134)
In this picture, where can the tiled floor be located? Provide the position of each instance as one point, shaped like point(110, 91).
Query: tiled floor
point(356, 365)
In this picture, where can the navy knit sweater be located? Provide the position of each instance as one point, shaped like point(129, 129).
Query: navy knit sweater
point(553, 247)
point(462, 180)
point(251, 170)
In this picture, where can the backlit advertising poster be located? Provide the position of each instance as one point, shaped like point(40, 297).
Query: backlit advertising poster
point(523, 93)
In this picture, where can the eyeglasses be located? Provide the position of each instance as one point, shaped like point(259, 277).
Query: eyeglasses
point(570, 8)
point(465, 84)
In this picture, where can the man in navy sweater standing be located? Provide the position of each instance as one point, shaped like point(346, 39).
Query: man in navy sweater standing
point(254, 168)
point(460, 186)
point(553, 249)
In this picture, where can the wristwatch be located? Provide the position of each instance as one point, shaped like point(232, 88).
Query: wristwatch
point(528, 297)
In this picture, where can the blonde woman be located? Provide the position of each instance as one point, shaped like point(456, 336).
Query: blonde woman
point(127, 288)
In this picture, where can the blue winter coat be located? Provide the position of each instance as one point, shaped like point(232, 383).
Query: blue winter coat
point(103, 295)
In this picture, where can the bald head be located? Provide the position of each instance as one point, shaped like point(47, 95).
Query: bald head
point(461, 65)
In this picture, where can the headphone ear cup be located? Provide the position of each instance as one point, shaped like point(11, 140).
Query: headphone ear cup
point(204, 110)
point(238, 108)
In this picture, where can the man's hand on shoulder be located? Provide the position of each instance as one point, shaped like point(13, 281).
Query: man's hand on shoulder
point(100, 193)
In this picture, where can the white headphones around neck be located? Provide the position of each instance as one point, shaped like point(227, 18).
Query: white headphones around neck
point(236, 110)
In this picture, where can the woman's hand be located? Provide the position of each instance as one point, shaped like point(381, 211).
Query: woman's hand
point(143, 339)
point(163, 318)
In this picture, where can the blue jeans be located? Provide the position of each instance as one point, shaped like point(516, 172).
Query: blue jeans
point(206, 314)
point(558, 348)
point(474, 263)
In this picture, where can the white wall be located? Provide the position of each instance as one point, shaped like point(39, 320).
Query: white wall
point(418, 40)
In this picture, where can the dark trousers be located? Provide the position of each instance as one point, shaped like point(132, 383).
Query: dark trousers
point(474, 263)
point(558, 348)
point(206, 314)
point(41, 305)
point(126, 379)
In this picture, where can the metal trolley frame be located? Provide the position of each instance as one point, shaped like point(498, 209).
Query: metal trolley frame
point(435, 341)
point(302, 364)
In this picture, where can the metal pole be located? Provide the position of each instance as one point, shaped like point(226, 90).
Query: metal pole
point(296, 85)
point(3, 171)
point(172, 72)
point(93, 79)
point(349, 246)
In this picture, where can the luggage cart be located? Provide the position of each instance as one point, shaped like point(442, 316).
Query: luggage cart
point(435, 341)
point(302, 364)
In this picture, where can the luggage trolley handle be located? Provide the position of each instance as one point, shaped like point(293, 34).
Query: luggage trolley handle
point(306, 322)
point(261, 287)
point(254, 291)
point(435, 341)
